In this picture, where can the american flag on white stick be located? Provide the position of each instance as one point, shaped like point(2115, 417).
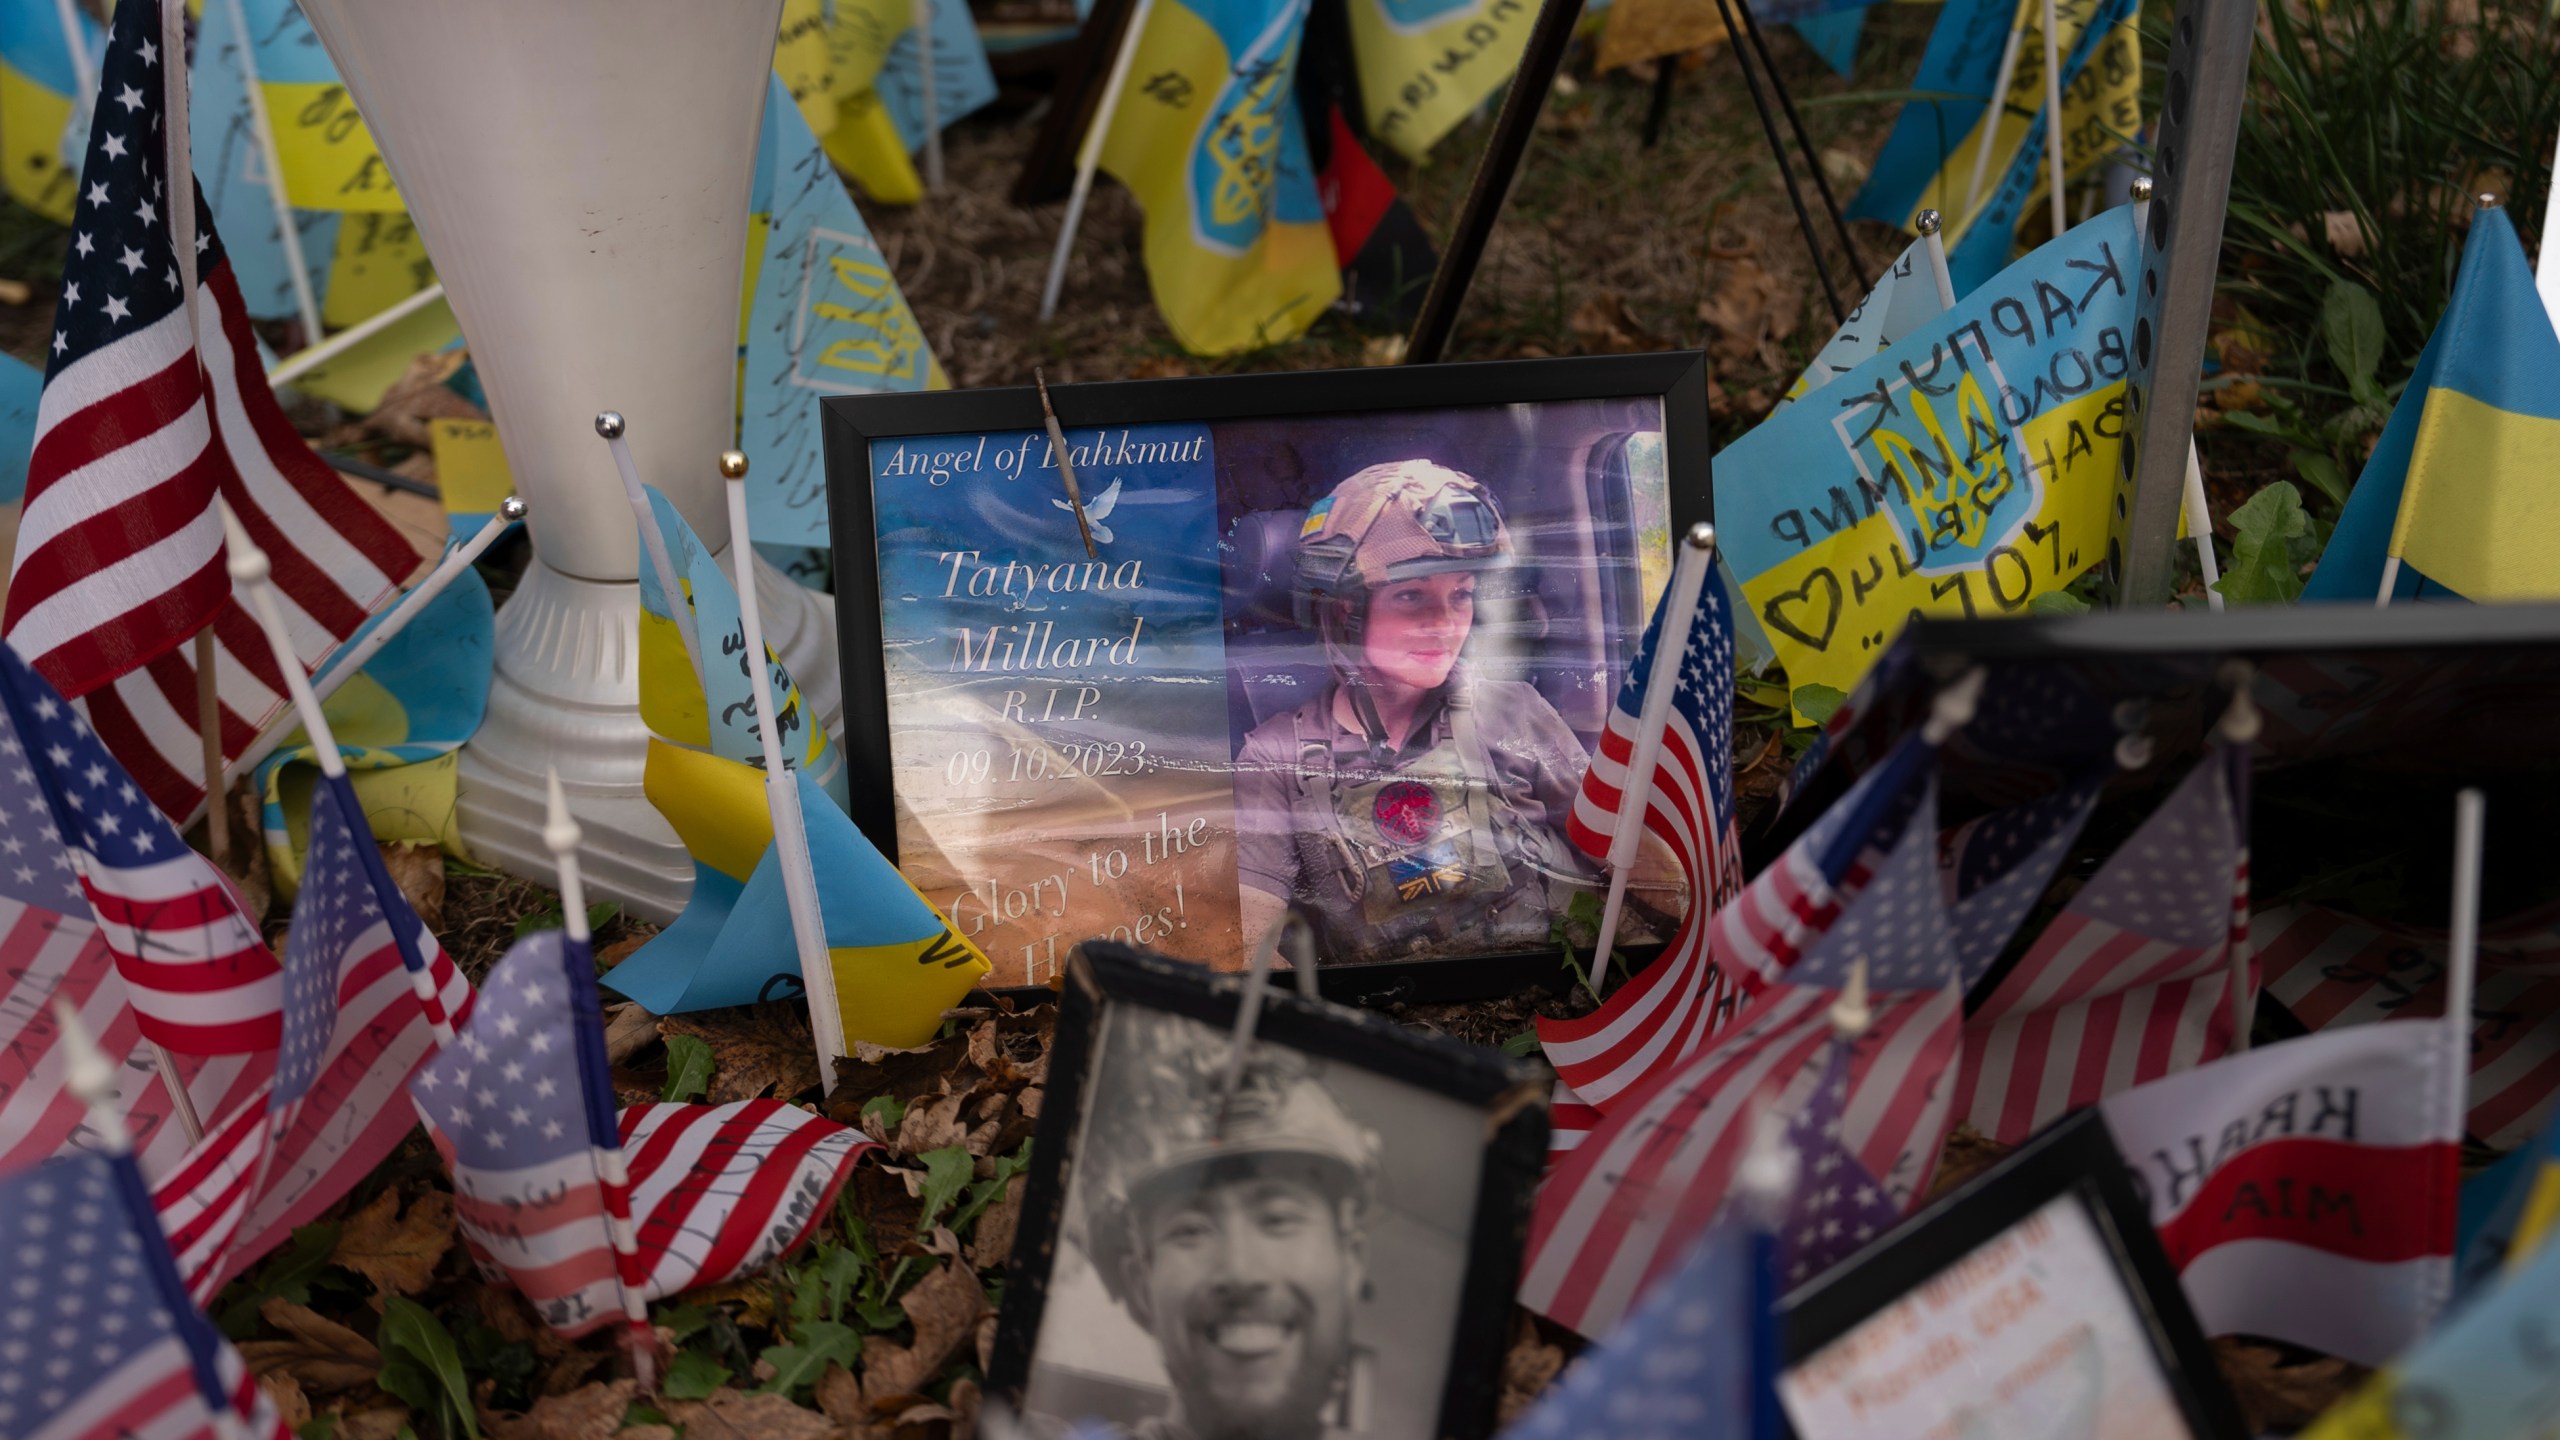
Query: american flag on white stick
point(2332, 970)
point(120, 560)
point(1665, 1013)
point(2131, 982)
point(101, 1341)
point(1861, 885)
point(714, 1191)
point(355, 1030)
point(200, 979)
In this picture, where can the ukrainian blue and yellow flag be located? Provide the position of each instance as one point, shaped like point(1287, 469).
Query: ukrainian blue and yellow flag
point(2464, 486)
point(400, 724)
point(1425, 65)
point(715, 711)
point(1208, 137)
point(39, 104)
point(1928, 160)
point(898, 963)
point(824, 317)
point(854, 69)
point(1966, 469)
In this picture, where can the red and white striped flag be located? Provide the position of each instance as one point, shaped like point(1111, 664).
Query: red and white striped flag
point(2132, 981)
point(2306, 1191)
point(523, 1118)
point(120, 560)
point(200, 979)
point(1858, 889)
point(1665, 1013)
point(2332, 969)
point(356, 1027)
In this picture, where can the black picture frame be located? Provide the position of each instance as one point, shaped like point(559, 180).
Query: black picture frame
point(849, 423)
point(2077, 1158)
point(1510, 1093)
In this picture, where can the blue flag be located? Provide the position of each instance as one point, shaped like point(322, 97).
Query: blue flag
point(1681, 1364)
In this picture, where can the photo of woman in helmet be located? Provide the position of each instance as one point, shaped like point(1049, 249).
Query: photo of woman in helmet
point(1413, 803)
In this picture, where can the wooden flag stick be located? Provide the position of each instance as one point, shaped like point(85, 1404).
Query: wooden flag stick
point(217, 782)
point(263, 130)
point(782, 794)
point(1066, 462)
point(560, 835)
point(1089, 155)
point(1635, 797)
point(2053, 116)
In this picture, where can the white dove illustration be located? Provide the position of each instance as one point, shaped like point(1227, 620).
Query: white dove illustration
point(1097, 510)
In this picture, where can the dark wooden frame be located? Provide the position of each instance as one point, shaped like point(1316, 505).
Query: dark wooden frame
point(850, 423)
point(1509, 1092)
point(2078, 1158)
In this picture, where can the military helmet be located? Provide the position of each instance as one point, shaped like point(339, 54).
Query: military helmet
point(1391, 522)
point(1160, 1138)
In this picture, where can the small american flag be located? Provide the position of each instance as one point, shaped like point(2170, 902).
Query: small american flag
point(715, 1191)
point(356, 1027)
point(200, 979)
point(1681, 1366)
point(2131, 981)
point(1665, 1013)
point(1838, 1205)
point(1655, 1172)
point(2332, 969)
point(1997, 866)
point(119, 559)
point(95, 1337)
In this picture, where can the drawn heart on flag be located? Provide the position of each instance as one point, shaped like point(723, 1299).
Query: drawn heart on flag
point(1775, 611)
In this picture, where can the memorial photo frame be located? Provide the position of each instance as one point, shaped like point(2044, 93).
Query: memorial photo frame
point(1133, 715)
point(1386, 1173)
point(2052, 1233)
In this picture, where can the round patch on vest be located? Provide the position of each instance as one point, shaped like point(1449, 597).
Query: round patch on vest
point(1407, 812)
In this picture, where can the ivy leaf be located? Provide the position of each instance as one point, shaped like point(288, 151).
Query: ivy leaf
point(421, 1365)
point(1522, 1045)
point(2351, 323)
point(815, 1344)
point(688, 1067)
point(947, 1172)
point(2322, 472)
point(2263, 570)
point(694, 1376)
point(1817, 703)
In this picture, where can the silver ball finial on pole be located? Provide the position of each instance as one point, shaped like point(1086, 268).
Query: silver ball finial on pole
point(2141, 189)
point(1702, 536)
point(609, 424)
point(1927, 222)
point(513, 508)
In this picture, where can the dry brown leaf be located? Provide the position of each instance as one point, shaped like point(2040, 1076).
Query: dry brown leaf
point(590, 1412)
point(419, 396)
point(991, 1244)
point(628, 1029)
point(728, 1415)
point(1604, 324)
point(608, 956)
point(397, 1252)
point(419, 872)
point(2278, 1392)
point(1967, 1153)
point(2344, 235)
point(839, 1396)
point(292, 1406)
point(322, 1354)
point(755, 1049)
point(383, 1422)
point(931, 1126)
point(945, 1307)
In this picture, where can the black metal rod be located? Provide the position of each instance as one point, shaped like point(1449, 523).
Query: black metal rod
point(1665, 68)
point(1786, 172)
point(1512, 128)
point(1804, 142)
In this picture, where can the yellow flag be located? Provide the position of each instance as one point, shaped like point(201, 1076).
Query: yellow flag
point(1207, 136)
point(1425, 65)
